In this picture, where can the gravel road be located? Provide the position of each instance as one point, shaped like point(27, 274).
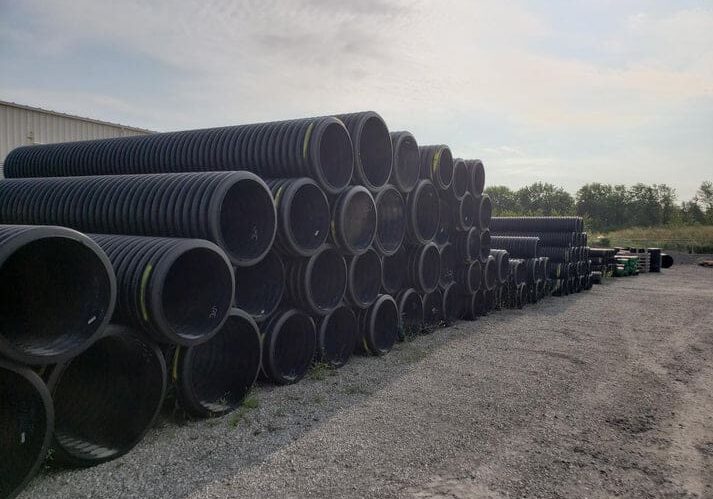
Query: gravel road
point(598, 394)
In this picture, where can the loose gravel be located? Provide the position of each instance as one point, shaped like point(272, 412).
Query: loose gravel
point(597, 394)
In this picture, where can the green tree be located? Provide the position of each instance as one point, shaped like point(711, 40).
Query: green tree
point(545, 199)
point(504, 200)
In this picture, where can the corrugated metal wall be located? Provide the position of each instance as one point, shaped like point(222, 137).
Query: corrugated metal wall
point(20, 125)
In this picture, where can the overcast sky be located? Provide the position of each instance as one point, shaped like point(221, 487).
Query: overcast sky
point(562, 91)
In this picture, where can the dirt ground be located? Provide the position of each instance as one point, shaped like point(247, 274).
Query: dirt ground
point(604, 393)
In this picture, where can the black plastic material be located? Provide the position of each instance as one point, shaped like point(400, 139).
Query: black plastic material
point(316, 284)
point(363, 279)
point(517, 247)
point(452, 302)
point(354, 220)
point(433, 309)
point(556, 254)
point(214, 377)
point(546, 238)
point(405, 164)
point(303, 215)
point(476, 305)
point(666, 261)
point(518, 271)
point(288, 347)
point(379, 326)
point(393, 276)
point(390, 220)
point(260, 287)
point(26, 426)
point(477, 176)
point(537, 224)
point(177, 290)
point(502, 259)
point(107, 398)
point(372, 148)
point(464, 211)
point(483, 211)
point(57, 290)
point(337, 334)
point(422, 213)
point(311, 147)
point(446, 221)
point(469, 276)
point(437, 165)
point(424, 267)
point(467, 245)
point(448, 265)
point(410, 313)
point(655, 259)
point(490, 274)
point(233, 209)
point(461, 179)
point(484, 245)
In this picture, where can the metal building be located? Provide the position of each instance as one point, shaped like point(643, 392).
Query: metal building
point(24, 125)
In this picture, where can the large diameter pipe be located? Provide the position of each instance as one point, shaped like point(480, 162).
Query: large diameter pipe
point(378, 326)
point(177, 290)
point(319, 148)
point(259, 288)
point(337, 334)
point(446, 222)
point(477, 176)
point(490, 274)
point(464, 211)
point(483, 211)
point(517, 247)
point(502, 259)
point(289, 345)
point(235, 210)
point(461, 180)
point(422, 213)
point(546, 238)
point(58, 291)
point(469, 276)
point(303, 216)
point(410, 307)
point(317, 284)
point(354, 220)
point(448, 265)
point(26, 426)
point(467, 245)
point(363, 279)
point(484, 245)
point(393, 277)
point(390, 220)
point(373, 151)
point(432, 309)
point(405, 164)
point(452, 303)
point(213, 378)
point(107, 398)
point(424, 267)
point(437, 165)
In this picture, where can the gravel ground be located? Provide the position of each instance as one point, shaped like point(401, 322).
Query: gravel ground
point(592, 395)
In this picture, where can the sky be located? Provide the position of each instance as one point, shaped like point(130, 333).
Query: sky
point(560, 91)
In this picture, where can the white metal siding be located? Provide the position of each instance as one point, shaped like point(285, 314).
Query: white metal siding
point(20, 125)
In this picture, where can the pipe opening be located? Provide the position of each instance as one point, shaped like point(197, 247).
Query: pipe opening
point(337, 337)
point(424, 210)
point(291, 347)
point(357, 222)
point(490, 273)
point(247, 221)
point(452, 302)
point(196, 294)
point(384, 325)
point(410, 312)
point(486, 211)
point(375, 151)
point(326, 279)
point(391, 220)
point(406, 164)
point(309, 218)
point(336, 157)
point(364, 279)
point(393, 275)
point(459, 185)
point(55, 294)
point(466, 210)
point(445, 167)
point(107, 398)
point(259, 288)
point(484, 244)
point(429, 267)
point(433, 308)
point(447, 264)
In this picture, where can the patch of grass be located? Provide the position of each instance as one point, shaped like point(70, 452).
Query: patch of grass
point(689, 238)
point(357, 390)
point(321, 370)
point(412, 355)
point(250, 402)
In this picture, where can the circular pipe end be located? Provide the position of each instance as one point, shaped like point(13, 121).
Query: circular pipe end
point(337, 336)
point(354, 220)
point(391, 221)
point(364, 279)
point(405, 164)
point(288, 347)
point(332, 154)
point(259, 288)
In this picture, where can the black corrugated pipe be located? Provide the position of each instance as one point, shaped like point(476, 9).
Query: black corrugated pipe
point(363, 279)
point(502, 260)
point(452, 302)
point(477, 176)
point(476, 305)
point(303, 215)
point(214, 377)
point(260, 287)
point(372, 148)
point(437, 165)
point(448, 264)
point(516, 246)
point(464, 211)
point(446, 216)
point(537, 224)
point(393, 277)
point(483, 211)
point(466, 245)
point(316, 284)
point(390, 220)
point(26, 426)
point(655, 259)
point(107, 398)
point(288, 346)
point(410, 307)
point(461, 180)
point(469, 276)
point(177, 290)
point(379, 326)
point(556, 254)
point(666, 261)
point(432, 309)
point(337, 334)
point(490, 273)
point(521, 295)
point(311, 147)
point(422, 213)
point(484, 245)
point(354, 220)
point(405, 164)
point(545, 261)
point(546, 238)
point(424, 267)
point(233, 209)
point(58, 291)
point(518, 271)
point(531, 268)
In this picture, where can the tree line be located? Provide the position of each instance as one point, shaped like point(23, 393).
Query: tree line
point(607, 207)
